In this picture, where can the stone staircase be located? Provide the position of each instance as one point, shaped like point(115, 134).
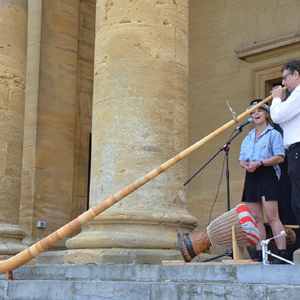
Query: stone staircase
point(152, 282)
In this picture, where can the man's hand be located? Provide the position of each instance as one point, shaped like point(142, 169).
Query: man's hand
point(278, 92)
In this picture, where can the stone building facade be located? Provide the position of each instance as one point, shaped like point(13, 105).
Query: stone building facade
point(95, 94)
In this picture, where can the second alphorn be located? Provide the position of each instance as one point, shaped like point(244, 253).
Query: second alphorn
point(31, 252)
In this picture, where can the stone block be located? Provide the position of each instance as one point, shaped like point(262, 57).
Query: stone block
point(13, 159)
point(86, 51)
point(109, 256)
point(296, 257)
point(31, 107)
point(69, 10)
point(169, 85)
point(39, 289)
point(5, 38)
point(68, 42)
point(3, 159)
point(4, 99)
point(33, 51)
point(19, 45)
point(35, 5)
point(17, 102)
point(58, 23)
point(173, 14)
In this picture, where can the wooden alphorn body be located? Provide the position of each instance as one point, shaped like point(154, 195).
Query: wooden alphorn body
point(39, 247)
point(219, 233)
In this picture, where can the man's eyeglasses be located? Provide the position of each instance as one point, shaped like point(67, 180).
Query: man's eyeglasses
point(284, 76)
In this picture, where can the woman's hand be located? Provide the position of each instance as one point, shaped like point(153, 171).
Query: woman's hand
point(252, 166)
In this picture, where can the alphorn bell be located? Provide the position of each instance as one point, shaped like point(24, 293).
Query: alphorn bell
point(219, 233)
point(39, 247)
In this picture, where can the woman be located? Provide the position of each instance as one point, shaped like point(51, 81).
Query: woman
point(261, 152)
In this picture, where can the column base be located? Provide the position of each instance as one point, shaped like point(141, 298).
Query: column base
point(107, 256)
point(11, 236)
point(296, 257)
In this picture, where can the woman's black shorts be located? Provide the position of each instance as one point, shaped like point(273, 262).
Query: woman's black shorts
point(262, 182)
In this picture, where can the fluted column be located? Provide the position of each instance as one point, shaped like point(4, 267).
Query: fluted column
point(140, 105)
point(13, 41)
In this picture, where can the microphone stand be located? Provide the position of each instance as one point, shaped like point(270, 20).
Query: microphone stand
point(229, 252)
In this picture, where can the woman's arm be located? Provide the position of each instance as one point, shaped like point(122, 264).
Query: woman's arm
point(274, 160)
point(253, 165)
point(242, 164)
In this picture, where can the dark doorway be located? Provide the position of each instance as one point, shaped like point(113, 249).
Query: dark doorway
point(89, 173)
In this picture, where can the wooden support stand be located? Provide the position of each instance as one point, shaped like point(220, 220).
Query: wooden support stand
point(238, 256)
point(238, 252)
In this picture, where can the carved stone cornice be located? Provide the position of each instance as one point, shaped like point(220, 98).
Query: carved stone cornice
point(270, 48)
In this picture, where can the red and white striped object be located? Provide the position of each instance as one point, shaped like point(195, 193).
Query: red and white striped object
point(248, 224)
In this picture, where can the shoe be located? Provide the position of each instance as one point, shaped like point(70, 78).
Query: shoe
point(277, 261)
point(258, 256)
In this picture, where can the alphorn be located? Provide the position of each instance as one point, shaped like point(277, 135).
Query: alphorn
point(31, 252)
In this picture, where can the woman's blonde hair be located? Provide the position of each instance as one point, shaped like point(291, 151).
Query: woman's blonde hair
point(267, 114)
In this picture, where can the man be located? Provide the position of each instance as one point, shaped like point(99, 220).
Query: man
point(287, 114)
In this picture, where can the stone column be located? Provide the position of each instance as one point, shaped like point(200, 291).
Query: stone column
point(13, 44)
point(140, 106)
point(49, 130)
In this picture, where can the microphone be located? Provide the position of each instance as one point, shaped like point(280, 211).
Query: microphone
point(250, 120)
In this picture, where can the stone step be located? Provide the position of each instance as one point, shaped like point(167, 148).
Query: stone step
point(152, 282)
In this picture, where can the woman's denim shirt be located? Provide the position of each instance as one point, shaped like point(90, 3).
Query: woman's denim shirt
point(268, 144)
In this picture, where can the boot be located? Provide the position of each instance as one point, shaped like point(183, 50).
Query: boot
point(281, 253)
point(258, 256)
